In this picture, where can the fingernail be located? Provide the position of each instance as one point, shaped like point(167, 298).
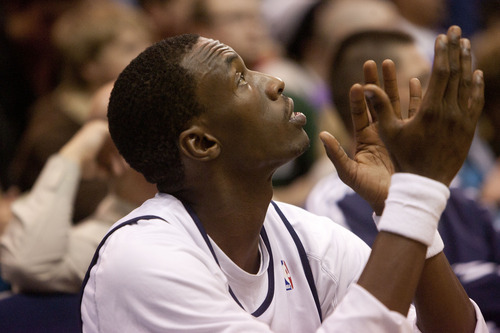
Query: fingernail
point(465, 43)
point(479, 76)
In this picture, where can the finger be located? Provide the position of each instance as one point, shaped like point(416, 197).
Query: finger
point(466, 72)
point(391, 85)
point(379, 101)
point(370, 73)
point(477, 95)
point(440, 70)
point(415, 97)
point(336, 154)
point(455, 67)
point(360, 118)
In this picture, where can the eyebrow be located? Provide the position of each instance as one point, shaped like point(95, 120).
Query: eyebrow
point(230, 59)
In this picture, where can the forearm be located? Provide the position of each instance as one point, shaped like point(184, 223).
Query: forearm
point(441, 302)
point(407, 227)
point(36, 239)
point(394, 256)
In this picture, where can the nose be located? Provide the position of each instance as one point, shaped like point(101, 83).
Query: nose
point(274, 87)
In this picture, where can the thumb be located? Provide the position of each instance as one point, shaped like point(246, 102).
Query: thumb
point(336, 154)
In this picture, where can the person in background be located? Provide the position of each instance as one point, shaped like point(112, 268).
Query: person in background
point(486, 49)
point(472, 244)
point(41, 250)
point(96, 40)
point(169, 17)
point(29, 67)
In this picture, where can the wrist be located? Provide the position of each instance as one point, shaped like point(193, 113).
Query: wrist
point(413, 207)
point(436, 247)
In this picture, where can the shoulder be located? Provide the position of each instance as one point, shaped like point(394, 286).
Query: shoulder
point(162, 236)
point(152, 254)
point(162, 270)
point(148, 242)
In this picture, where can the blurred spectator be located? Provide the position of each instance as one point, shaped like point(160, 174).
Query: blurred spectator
point(489, 13)
point(429, 14)
point(96, 40)
point(41, 251)
point(169, 17)
point(487, 51)
point(322, 26)
point(424, 19)
point(466, 14)
point(239, 22)
point(28, 66)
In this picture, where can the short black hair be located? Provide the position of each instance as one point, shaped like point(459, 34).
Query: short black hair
point(151, 103)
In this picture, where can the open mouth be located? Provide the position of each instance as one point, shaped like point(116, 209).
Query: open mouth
point(297, 118)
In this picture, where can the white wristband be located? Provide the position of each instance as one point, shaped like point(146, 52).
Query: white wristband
point(413, 207)
point(437, 244)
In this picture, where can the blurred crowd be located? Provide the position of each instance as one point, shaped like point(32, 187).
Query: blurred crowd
point(63, 184)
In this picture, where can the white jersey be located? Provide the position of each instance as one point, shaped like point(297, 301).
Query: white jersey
point(168, 276)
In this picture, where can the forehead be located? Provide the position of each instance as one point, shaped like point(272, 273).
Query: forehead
point(208, 55)
point(413, 62)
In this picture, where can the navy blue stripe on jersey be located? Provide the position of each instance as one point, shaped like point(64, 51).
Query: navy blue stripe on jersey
point(270, 270)
point(270, 276)
point(303, 259)
point(96, 253)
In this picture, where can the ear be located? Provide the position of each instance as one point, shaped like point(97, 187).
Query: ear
point(197, 144)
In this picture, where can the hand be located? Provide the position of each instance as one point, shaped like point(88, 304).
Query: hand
point(369, 172)
point(435, 141)
point(92, 149)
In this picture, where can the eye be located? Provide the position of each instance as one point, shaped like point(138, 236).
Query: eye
point(241, 79)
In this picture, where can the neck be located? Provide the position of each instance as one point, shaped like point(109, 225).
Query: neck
point(232, 215)
point(133, 188)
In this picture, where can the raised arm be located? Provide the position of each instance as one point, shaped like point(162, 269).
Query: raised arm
point(433, 144)
point(35, 249)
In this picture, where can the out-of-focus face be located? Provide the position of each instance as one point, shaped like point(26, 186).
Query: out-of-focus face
point(246, 110)
point(238, 23)
point(171, 17)
point(116, 55)
point(342, 18)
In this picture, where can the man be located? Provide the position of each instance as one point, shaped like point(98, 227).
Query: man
point(211, 252)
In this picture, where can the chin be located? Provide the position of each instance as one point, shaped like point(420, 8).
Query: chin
point(302, 146)
point(306, 143)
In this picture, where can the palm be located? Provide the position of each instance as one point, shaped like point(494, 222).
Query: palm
point(371, 174)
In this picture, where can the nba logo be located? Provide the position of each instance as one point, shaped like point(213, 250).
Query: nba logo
point(287, 276)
